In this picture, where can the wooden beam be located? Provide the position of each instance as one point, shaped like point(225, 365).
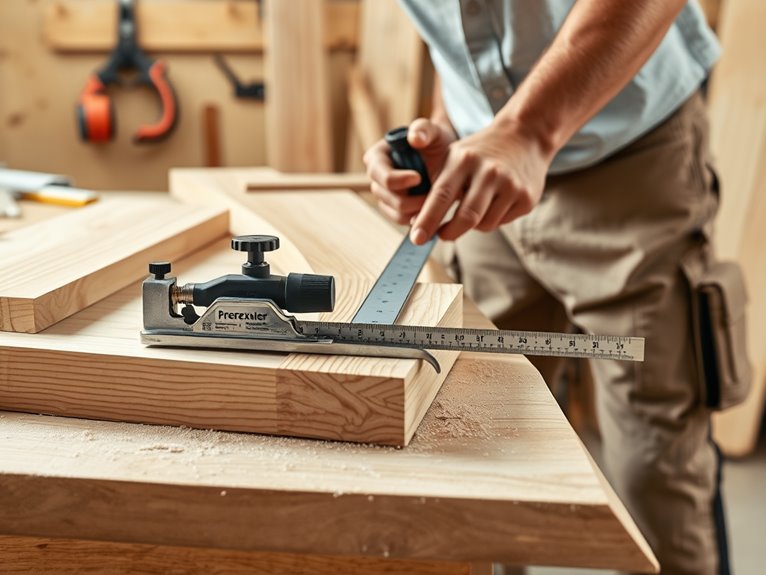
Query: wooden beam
point(54, 269)
point(297, 102)
point(182, 25)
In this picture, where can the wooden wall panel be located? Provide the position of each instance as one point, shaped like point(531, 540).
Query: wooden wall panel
point(738, 138)
point(39, 89)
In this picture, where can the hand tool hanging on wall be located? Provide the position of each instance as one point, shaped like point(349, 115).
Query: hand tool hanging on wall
point(252, 90)
point(95, 109)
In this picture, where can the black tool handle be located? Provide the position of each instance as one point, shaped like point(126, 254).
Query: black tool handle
point(405, 157)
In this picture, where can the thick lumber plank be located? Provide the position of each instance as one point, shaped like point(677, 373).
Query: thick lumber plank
point(47, 556)
point(359, 240)
point(53, 269)
point(92, 365)
point(297, 106)
point(738, 139)
point(104, 372)
point(495, 473)
point(181, 25)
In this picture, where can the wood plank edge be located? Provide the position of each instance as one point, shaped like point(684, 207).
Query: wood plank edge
point(85, 508)
point(78, 556)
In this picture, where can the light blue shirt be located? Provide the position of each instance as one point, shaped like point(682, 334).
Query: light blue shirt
point(466, 39)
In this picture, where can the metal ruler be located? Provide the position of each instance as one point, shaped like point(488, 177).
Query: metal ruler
point(481, 340)
point(387, 297)
point(373, 323)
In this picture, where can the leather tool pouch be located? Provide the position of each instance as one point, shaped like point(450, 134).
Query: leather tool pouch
point(718, 315)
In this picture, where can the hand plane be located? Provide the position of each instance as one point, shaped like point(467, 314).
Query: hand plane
point(251, 311)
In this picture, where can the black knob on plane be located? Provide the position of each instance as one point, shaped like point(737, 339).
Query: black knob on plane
point(255, 246)
point(159, 269)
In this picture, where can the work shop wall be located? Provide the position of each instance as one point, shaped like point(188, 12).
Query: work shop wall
point(49, 49)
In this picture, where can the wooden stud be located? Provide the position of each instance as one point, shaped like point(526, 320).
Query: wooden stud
point(297, 101)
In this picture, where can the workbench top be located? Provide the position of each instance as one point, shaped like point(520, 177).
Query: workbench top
point(494, 473)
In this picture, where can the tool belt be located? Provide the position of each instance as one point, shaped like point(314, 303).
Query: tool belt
point(719, 300)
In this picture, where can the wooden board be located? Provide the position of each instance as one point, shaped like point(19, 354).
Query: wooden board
point(181, 25)
point(46, 556)
point(495, 473)
point(110, 375)
point(738, 138)
point(53, 269)
point(265, 179)
point(297, 104)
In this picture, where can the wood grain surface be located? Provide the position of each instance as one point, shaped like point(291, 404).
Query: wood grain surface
point(390, 70)
point(738, 140)
point(181, 25)
point(494, 473)
point(298, 98)
point(333, 230)
point(265, 179)
point(53, 269)
point(47, 556)
point(92, 364)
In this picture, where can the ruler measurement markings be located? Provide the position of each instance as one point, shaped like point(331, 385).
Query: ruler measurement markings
point(494, 341)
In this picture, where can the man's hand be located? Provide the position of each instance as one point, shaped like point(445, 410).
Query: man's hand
point(496, 175)
point(390, 185)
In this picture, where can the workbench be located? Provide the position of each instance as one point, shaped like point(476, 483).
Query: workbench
point(494, 473)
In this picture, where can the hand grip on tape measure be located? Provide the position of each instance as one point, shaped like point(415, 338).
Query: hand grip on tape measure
point(405, 157)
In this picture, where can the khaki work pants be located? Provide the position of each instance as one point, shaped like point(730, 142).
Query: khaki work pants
point(602, 251)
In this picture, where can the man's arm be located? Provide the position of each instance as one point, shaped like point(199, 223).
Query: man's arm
point(599, 48)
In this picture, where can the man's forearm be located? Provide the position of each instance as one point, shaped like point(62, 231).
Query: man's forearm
point(599, 48)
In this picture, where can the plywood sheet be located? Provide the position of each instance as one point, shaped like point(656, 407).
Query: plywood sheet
point(53, 269)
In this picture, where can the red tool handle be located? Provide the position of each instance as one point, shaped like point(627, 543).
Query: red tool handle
point(168, 105)
point(95, 113)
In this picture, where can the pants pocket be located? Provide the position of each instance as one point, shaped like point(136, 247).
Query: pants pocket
point(719, 300)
